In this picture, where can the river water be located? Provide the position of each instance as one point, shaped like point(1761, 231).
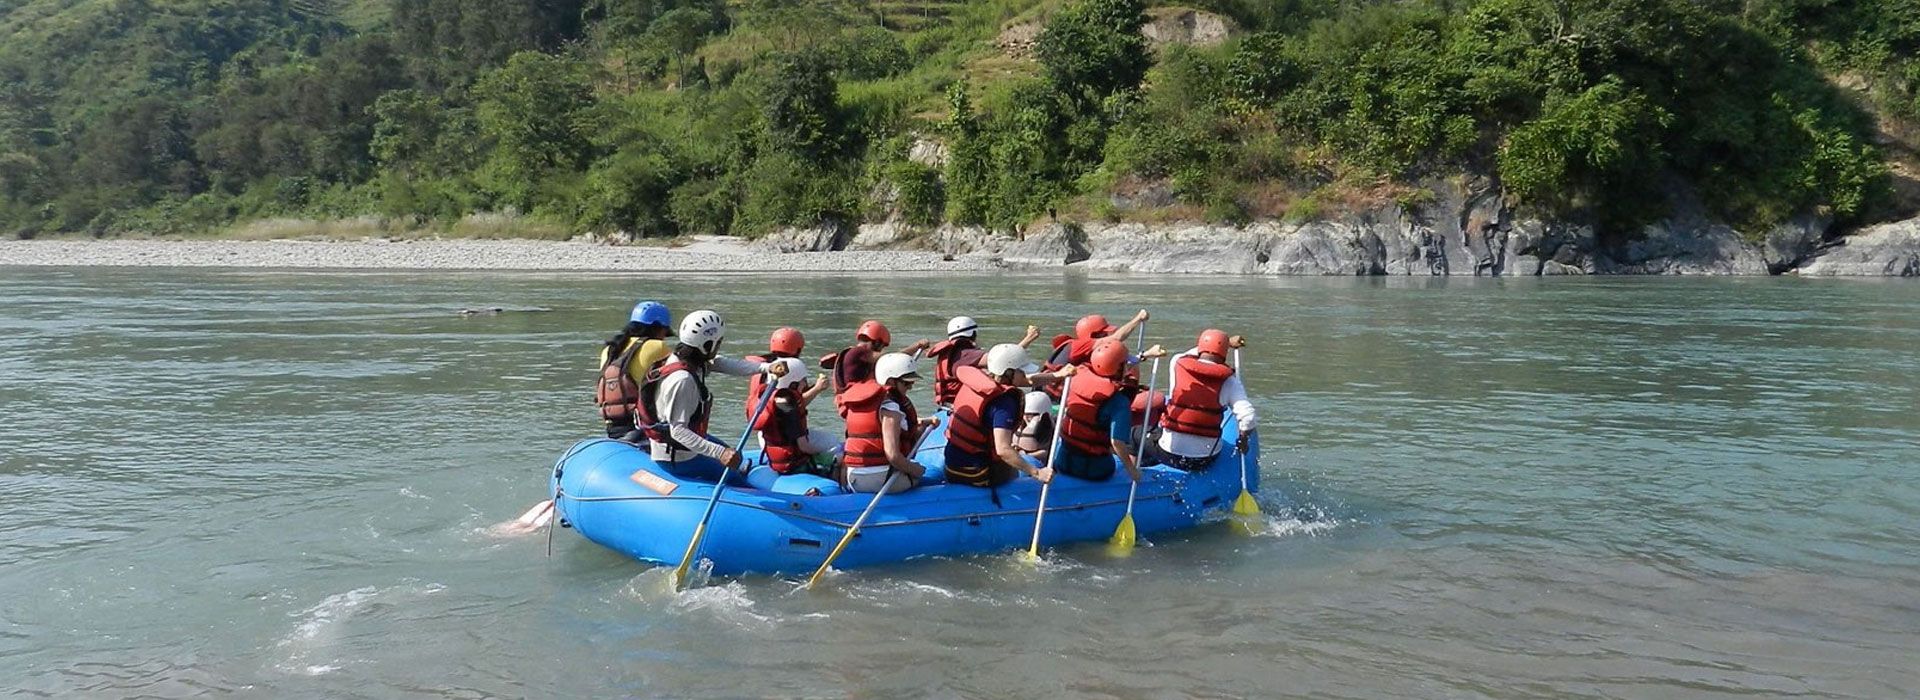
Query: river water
point(234, 483)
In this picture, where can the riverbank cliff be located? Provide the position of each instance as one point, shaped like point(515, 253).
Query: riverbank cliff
point(1458, 232)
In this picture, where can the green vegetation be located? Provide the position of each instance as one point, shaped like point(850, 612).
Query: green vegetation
point(663, 117)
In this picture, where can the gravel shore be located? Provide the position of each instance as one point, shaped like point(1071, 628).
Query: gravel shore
point(704, 254)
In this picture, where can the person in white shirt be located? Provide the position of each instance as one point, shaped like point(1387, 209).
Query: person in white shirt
point(883, 428)
point(681, 402)
point(1205, 387)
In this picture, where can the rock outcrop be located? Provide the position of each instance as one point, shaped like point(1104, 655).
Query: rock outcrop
point(1183, 25)
point(1463, 229)
point(826, 236)
point(1887, 250)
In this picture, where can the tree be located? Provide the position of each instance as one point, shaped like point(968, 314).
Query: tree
point(1604, 141)
point(800, 107)
point(1093, 48)
point(969, 195)
point(530, 112)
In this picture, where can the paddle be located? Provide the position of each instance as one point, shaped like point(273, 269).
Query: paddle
point(857, 522)
point(1244, 505)
point(700, 531)
point(1123, 534)
point(1033, 551)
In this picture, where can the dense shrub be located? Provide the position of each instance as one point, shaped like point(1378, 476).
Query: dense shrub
point(666, 116)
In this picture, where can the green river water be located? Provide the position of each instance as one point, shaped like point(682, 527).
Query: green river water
point(268, 484)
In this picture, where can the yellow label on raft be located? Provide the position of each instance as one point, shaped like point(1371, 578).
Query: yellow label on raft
point(654, 483)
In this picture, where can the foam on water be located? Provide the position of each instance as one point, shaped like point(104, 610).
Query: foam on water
point(321, 626)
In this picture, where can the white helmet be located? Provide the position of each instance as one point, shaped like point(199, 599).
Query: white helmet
point(703, 329)
point(895, 365)
point(1006, 356)
point(962, 327)
point(1038, 402)
point(796, 373)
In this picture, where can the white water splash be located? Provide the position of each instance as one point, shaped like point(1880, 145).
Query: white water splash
point(1292, 525)
point(319, 629)
point(727, 602)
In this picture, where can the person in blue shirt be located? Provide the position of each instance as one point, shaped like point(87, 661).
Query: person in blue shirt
point(981, 449)
point(1097, 417)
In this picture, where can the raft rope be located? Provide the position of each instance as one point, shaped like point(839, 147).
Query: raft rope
point(839, 524)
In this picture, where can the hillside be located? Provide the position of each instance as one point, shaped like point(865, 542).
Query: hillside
point(664, 117)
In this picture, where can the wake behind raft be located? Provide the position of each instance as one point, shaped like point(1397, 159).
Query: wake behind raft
point(614, 494)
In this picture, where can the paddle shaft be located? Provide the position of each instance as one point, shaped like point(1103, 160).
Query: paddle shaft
point(1241, 429)
point(1146, 427)
point(857, 522)
point(1066, 391)
point(719, 485)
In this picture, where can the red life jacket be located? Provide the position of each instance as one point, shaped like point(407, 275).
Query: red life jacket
point(967, 429)
point(757, 383)
point(849, 366)
point(1080, 350)
point(782, 450)
point(946, 356)
point(648, 419)
point(1061, 357)
point(865, 446)
point(617, 393)
point(1141, 399)
point(1082, 428)
point(1195, 407)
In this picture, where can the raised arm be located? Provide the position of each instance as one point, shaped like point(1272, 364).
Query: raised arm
point(737, 368)
point(1126, 329)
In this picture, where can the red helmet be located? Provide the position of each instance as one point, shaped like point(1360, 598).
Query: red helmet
point(1213, 340)
point(1109, 358)
point(787, 342)
point(874, 331)
point(1092, 326)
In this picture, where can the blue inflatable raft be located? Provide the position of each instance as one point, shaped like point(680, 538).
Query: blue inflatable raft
point(615, 495)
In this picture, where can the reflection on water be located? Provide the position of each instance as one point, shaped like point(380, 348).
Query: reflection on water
point(282, 484)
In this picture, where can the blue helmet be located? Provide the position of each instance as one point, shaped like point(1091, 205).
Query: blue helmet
point(652, 313)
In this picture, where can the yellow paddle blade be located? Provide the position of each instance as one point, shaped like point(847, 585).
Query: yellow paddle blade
point(1244, 505)
point(1123, 538)
point(686, 560)
point(835, 554)
point(1246, 515)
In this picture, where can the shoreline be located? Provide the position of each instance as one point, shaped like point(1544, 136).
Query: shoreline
point(706, 254)
point(1392, 246)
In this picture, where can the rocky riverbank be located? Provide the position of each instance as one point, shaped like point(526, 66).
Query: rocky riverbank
point(1460, 232)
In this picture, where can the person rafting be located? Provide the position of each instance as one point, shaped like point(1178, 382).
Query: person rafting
point(786, 342)
point(854, 363)
point(1205, 387)
point(676, 403)
point(961, 348)
point(986, 414)
point(787, 444)
point(1089, 330)
point(883, 428)
point(624, 360)
point(1097, 417)
point(1036, 426)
